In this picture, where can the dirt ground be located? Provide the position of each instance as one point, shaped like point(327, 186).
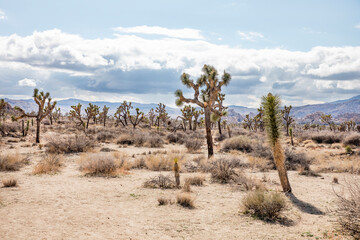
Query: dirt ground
point(69, 205)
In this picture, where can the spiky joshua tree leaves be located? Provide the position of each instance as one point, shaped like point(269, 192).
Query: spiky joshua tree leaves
point(136, 119)
point(43, 100)
point(273, 124)
point(211, 86)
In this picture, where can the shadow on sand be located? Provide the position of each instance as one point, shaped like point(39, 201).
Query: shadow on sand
point(304, 206)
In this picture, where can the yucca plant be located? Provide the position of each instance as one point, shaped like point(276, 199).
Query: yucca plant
point(177, 172)
point(273, 124)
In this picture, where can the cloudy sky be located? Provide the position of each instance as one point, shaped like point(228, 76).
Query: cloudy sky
point(307, 51)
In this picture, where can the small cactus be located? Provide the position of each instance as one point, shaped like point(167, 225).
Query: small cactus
point(177, 172)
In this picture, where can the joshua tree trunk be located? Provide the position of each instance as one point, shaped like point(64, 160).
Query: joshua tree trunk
point(38, 130)
point(209, 139)
point(229, 131)
point(190, 126)
point(195, 125)
point(279, 159)
point(23, 127)
point(219, 126)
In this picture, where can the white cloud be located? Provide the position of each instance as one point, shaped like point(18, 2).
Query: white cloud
point(250, 36)
point(26, 82)
point(186, 33)
point(2, 15)
point(357, 26)
point(104, 66)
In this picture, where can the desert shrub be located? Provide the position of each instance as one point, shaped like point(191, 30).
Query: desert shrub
point(160, 181)
point(98, 164)
point(245, 183)
point(68, 144)
point(193, 145)
point(240, 143)
point(50, 164)
point(126, 139)
point(326, 137)
point(105, 136)
point(220, 137)
point(262, 150)
point(159, 162)
point(263, 205)
point(195, 180)
point(177, 137)
point(222, 171)
point(12, 182)
point(348, 149)
point(186, 187)
point(352, 139)
point(262, 164)
point(349, 209)
point(12, 162)
point(164, 201)
point(295, 160)
point(185, 200)
point(153, 141)
point(10, 127)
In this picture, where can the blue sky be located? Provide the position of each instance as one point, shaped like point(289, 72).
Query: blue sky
point(306, 51)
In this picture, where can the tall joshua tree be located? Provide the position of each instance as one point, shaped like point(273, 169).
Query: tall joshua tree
point(212, 85)
point(121, 114)
point(197, 114)
point(75, 115)
point(104, 113)
point(45, 108)
point(327, 119)
point(136, 119)
point(287, 118)
point(273, 124)
point(188, 112)
point(220, 99)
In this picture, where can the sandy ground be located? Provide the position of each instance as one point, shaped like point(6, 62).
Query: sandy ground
point(69, 205)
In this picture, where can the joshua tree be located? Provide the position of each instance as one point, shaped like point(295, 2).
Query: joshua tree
point(273, 124)
point(188, 112)
point(2, 109)
point(162, 115)
point(219, 105)
point(75, 115)
point(44, 109)
point(121, 114)
point(327, 120)
point(210, 80)
point(197, 114)
point(248, 122)
point(56, 114)
point(91, 112)
point(177, 172)
point(151, 116)
point(103, 114)
point(286, 116)
point(136, 119)
point(350, 125)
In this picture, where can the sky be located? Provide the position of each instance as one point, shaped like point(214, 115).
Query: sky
point(306, 51)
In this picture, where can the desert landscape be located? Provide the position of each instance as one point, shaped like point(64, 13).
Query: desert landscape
point(204, 120)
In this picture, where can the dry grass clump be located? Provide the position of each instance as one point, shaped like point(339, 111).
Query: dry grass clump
point(240, 143)
point(195, 180)
point(295, 160)
point(50, 164)
point(12, 182)
point(153, 141)
point(263, 205)
point(185, 200)
point(161, 162)
point(126, 139)
point(160, 181)
point(105, 135)
point(177, 137)
point(352, 139)
point(326, 137)
point(223, 170)
point(349, 209)
point(140, 138)
point(68, 144)
point(348, 165)
point(12, 162)
point(164, 201)
point(193, 145)
point(98, 164)
point(262, 164)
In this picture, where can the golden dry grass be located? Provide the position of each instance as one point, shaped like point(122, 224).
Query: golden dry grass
point(11, 182)
point(185, 199)
point(50, 164)
point(12, 162)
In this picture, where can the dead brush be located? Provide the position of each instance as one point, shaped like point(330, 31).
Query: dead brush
point(98, 164)
point(193, 145)
point(185, 200)
point(244, 183)
point(68, 144)
point(223, 170)
point(263, 205)
point(50, 164)
point(12, 182)
point(12, 162)
point(349, 208)
point(160, 181)
point(164, 201)
point(195, 180)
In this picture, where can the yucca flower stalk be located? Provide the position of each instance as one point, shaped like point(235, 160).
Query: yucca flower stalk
point(273, 124)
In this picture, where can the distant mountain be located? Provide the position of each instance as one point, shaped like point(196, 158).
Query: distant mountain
point(65, 105)
point(341, 110)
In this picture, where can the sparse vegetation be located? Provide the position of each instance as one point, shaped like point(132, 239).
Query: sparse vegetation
point(101, 164)
point(160, 181)
point(12, 162)
point(263, 205)
point(68, 144)
point(50, 164)
point(11, 182)
point(185, 199)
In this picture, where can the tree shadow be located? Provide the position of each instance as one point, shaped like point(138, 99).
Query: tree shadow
point(304, 206)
